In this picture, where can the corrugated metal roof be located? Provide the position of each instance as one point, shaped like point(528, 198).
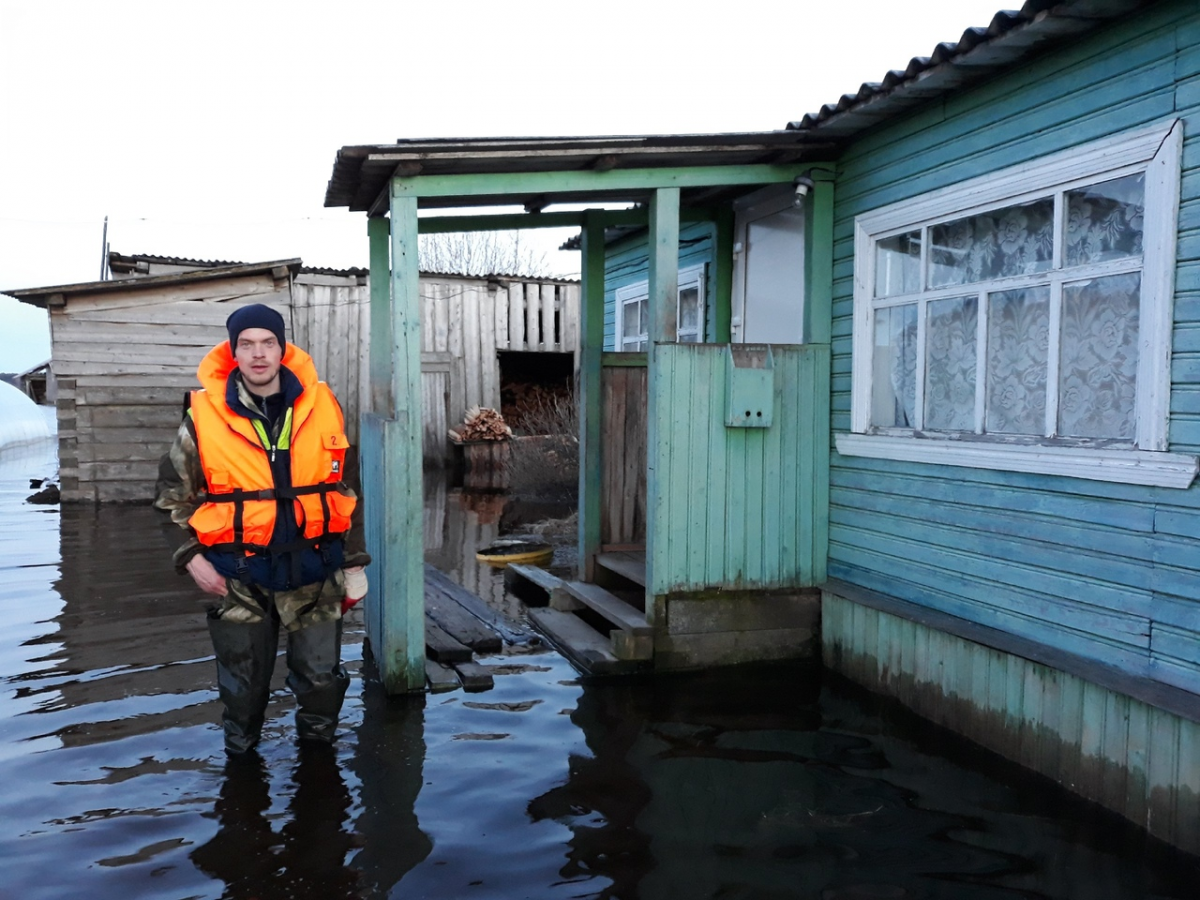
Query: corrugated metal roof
point(361, 172)
point(40, 296)
point(1010, 38)
point(128, 262)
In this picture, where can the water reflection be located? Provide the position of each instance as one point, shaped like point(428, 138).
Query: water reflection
point(307, 857)
point(768, 783)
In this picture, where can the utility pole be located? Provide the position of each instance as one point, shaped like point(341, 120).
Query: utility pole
point(104, 252)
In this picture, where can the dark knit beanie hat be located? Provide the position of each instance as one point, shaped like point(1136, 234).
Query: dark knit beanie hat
point(256, 315)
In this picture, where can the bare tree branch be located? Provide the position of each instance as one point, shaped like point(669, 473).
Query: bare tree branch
point(481, 253)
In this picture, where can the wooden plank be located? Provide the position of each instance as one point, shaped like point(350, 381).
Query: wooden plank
point(489, 363)
point(627, 564)
point(548, 302)
point(473, 373)
point(533, 317)
point(499, 301)
point(611, 607)
point(516, 316)
point(591, 488)
point(446, 598)
point(441, 678)
point(442, 646)
point(548, 182)
point(474, 677)
point(579, 642)
point(526, 580)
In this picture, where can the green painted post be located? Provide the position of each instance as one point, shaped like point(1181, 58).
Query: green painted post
point(818, 326)
point(372, 421)
point(818, 260)
point(723, 276)
point(402, 652)
point(591, 347)
point(663, 309)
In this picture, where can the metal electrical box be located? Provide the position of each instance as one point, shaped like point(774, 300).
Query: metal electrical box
point(750, 376)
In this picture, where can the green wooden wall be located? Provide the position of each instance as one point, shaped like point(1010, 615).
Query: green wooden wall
point(740, 507)
point(1107, 571)
point(1139, 761)
point(626, 262)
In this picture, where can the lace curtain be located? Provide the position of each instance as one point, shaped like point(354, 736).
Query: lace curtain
point(1098, 340)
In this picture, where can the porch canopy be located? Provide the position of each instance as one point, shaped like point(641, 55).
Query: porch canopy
point(660, 180)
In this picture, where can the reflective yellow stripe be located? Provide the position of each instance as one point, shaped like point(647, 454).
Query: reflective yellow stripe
point(285, 433)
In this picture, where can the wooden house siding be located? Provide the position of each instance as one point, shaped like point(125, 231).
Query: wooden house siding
point(124, 361)
point(627, 262)
point(1107, 571)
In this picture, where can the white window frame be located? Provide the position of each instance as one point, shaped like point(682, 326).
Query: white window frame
point(1156, 151)
point(691, 277)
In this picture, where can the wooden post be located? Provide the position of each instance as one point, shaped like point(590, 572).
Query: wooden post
point(818, 260)
point(391, 445)
point(663, 310)
point(591, 347)
point(818, 327)
point(723, 276)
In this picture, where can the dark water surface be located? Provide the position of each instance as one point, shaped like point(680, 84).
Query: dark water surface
point(781, 782)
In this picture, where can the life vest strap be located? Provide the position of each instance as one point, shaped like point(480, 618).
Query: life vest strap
point(237, 495)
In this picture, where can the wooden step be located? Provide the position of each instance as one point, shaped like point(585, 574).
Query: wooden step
point(531, 583)
point(632, 638)
point(583, 645)
point(573, 594)
point(629, 565)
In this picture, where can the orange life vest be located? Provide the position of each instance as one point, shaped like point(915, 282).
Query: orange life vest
point(239, 513)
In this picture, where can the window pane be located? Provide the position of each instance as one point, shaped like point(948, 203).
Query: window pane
point(898, 264)
point(1104, 221)
point(1018, 337)
point(1098, 367)
point(950, 364)
point(894, 394)
point(689, 309)
point(1016, 240)
point(631, 324)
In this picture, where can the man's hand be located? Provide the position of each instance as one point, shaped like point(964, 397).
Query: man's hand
point(356, 587)
point(206, 577)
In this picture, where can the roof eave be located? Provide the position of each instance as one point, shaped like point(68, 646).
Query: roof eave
point(40, 296)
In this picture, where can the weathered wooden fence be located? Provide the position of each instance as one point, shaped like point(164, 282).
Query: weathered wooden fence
point(623, 453)
point(465, 323)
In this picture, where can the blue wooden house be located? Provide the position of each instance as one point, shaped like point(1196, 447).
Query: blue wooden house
point(922, 388)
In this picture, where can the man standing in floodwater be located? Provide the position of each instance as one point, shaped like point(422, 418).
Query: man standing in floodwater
point(264, 486)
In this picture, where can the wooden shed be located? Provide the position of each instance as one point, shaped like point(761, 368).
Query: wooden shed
point(124, 351)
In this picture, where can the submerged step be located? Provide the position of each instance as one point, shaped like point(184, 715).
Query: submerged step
point(578, 641)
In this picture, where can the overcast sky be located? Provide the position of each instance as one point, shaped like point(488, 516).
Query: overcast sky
point(209, 130)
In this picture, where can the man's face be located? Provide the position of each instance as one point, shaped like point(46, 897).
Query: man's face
point(258, 356)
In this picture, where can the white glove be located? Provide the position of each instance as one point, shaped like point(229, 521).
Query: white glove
point(355, 584)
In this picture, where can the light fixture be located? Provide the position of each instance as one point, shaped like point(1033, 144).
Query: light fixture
point(803, 184)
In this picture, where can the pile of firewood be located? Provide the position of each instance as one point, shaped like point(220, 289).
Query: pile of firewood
point(482, 424)
point(524, 404)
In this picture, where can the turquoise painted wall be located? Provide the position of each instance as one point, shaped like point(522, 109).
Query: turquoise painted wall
point(626, 262)
point(739, 507)
point(1107, 571)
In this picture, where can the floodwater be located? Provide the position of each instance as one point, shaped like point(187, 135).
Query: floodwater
point(780, 782)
